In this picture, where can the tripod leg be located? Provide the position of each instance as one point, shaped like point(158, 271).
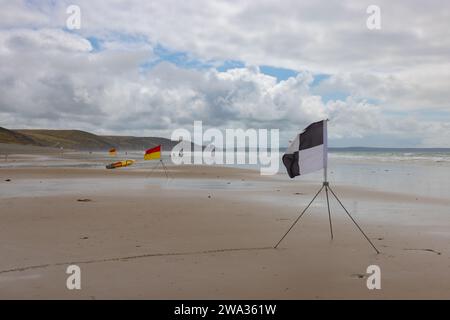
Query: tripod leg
point(165, 169)
point(299, 217)
point(354, 221)
point(329, 212)
point(154, 168)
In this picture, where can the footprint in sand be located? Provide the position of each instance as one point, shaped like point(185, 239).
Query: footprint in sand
point(427, 250)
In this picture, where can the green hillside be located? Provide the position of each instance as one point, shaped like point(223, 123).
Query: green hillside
point(68, 139)
point(79, 140)
point(10, 136)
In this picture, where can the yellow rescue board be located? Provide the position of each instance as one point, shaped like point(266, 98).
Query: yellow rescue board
point(120, 164)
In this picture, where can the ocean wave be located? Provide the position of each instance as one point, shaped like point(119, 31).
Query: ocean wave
point(393, 157)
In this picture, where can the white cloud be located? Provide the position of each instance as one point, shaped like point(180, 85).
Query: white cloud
point(68, 85)
point(407, 90)
point(43, 40)
point(326, 36)
point(53, 78)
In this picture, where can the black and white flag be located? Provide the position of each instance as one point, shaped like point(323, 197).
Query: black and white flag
point(308, 151)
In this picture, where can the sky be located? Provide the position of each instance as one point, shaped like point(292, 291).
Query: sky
point(146, 68)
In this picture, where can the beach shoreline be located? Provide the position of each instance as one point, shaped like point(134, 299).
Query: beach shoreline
point(207, 233)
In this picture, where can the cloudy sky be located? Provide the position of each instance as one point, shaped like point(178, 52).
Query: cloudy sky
point(149, 67)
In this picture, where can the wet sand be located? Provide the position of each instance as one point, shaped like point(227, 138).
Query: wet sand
point(208, 233)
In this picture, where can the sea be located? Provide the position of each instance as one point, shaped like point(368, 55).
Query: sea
point(423, 172)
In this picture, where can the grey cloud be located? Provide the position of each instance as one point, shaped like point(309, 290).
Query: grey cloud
point(49, 77)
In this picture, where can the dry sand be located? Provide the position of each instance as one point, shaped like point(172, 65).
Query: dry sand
point(208, 233)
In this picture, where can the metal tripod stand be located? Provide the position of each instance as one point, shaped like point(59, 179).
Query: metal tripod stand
point(164, 167)
point(327, 187)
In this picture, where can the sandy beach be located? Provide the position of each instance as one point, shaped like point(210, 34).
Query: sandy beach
point(111, 113)
point(208, 233)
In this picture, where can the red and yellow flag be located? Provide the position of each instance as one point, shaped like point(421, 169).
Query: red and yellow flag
point(153, 153)
point(112, 152)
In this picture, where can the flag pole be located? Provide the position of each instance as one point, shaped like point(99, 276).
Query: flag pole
point(158, 164)
point(325, 151)
point(326, 186)
point(162, 163)
point(325, 170)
